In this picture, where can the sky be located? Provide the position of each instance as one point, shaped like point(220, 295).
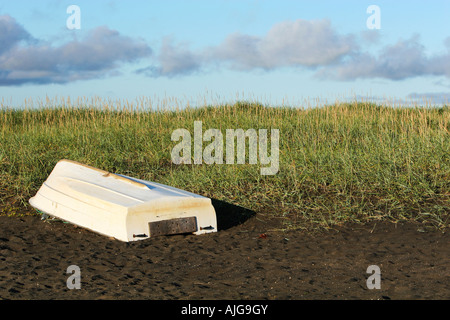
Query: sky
point(284, 52)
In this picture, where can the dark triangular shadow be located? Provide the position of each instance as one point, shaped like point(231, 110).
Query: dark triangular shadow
point(229, 215)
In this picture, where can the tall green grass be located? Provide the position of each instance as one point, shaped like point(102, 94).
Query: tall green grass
point(349, 162)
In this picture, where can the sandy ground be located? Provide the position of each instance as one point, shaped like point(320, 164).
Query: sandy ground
point(243, 261)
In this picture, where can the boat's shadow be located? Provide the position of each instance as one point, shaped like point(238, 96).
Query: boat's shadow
point(230, 215)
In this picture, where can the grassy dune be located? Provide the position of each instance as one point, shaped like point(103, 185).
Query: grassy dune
point(345, 162)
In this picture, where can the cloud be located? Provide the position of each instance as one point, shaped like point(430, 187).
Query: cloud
point(430, 97)
point(97, 55)
point(11, 33)
point(440, 65)
point(174, 60)
point(312, 45)
point(298, 43)
point(370, 37)
point(405, 59)
point(301, 44)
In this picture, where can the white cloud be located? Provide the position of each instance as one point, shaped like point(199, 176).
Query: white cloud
point(300, 43)
point(174, 59)
point(95, 56)
point(297, 43)
point(405, 59)
point(313, 45)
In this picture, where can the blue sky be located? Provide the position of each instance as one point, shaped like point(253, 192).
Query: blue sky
point(277, 52)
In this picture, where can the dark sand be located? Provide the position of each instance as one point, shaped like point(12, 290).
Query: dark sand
point(238, 263)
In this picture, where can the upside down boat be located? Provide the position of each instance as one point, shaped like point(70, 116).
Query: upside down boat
point(119, 206)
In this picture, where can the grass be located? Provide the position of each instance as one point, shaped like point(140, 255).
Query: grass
point(349, 162)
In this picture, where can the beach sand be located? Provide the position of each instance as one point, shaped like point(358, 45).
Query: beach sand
point(249, 260)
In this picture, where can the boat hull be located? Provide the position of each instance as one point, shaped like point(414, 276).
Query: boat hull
point(122, 207)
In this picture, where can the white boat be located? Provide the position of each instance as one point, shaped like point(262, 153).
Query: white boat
point(119, 206)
